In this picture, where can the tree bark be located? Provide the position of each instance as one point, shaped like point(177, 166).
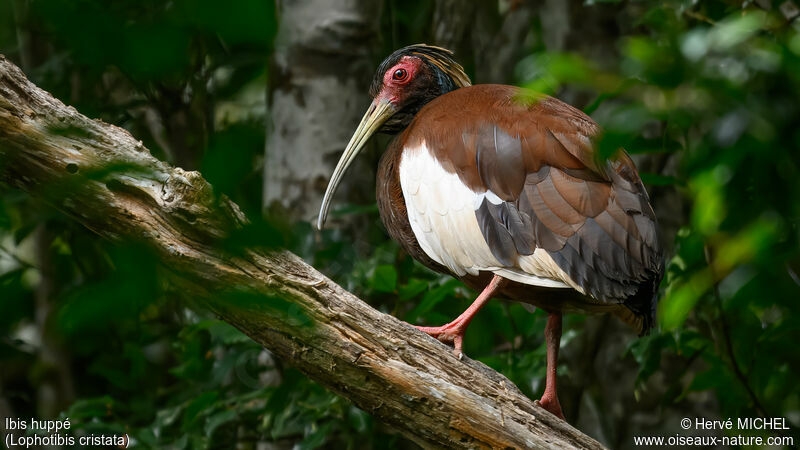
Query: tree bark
point(490, 36)
point(317, 95)
point(107, 180)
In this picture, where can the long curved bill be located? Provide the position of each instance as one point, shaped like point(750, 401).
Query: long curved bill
point(377, 113)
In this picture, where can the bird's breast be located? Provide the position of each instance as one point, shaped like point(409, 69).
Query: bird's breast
point(392, 207)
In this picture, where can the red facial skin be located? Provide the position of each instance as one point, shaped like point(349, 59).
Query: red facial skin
point(394, 89)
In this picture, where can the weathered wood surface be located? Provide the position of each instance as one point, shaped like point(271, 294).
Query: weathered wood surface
point(108, 181)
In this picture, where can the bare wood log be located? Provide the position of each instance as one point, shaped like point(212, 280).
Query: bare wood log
point(107, 180)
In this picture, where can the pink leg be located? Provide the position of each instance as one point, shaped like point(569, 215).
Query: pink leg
point(454, 331)
point(552, 335)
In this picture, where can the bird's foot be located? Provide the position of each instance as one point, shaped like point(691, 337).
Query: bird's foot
point(452, 333)
point(551, 404)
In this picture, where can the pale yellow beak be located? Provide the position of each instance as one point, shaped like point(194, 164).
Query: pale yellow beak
point(377, 113)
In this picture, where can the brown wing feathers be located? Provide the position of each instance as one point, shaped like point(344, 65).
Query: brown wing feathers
point(594, 219)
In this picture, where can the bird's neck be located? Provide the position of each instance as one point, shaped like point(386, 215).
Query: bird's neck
point(444, 82)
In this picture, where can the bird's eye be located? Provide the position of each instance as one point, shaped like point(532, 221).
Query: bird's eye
point(400, 74)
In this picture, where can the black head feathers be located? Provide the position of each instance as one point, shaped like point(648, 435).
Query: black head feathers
point(450, 74)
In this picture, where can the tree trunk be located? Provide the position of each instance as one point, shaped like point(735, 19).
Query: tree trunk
point(107, 180)
point(318, 92)
point(489, 35)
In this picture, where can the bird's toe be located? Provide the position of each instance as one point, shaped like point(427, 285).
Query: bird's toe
point(452, 333)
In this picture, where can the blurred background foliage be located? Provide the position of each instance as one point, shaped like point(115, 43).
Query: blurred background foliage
point(704, 94)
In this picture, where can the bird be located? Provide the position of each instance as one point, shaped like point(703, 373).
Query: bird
point(503, 188)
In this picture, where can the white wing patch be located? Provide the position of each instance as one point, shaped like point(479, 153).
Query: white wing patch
point(441, 211)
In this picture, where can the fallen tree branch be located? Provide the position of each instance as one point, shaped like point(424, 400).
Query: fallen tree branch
point(108, 181)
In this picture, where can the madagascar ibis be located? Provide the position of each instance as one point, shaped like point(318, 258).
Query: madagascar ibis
point(502, 189)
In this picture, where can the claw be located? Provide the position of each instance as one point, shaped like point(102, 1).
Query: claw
point(452, 333)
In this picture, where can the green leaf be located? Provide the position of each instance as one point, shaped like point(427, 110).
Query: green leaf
point(385, 278)
point(414, 287)
point(358, 419)
point(200, 406)
point(432, 298)
point(316, 438)
point(90, 408)
point(221, 418)
point(675, 308)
